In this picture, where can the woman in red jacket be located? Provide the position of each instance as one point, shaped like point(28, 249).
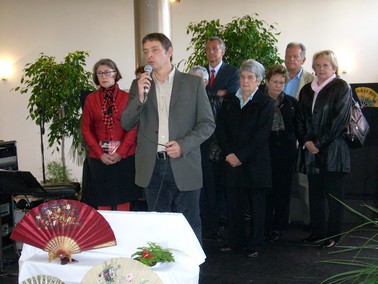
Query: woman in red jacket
point(111, 149)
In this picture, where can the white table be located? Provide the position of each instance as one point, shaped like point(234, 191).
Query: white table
point(132, 230)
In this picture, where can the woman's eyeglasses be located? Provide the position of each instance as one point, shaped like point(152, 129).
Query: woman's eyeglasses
point(105, 73)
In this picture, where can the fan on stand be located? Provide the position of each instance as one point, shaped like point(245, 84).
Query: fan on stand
point(121, 270)
point(64, 227)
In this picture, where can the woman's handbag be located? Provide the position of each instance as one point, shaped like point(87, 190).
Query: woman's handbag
point(215, 153)
point(358, 127)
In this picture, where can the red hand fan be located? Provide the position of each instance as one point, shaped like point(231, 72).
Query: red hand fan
point(64, 227)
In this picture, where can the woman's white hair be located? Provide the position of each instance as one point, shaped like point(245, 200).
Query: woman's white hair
point(253, 66)
point(200, 70)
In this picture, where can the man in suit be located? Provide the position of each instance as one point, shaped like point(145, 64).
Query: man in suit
point(226, 77)
point(223, 81)
point(295, 57)
point(174, 117)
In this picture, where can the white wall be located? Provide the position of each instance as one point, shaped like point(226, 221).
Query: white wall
point(105, 29)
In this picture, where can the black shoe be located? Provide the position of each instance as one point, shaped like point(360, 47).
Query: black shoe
point(274, 236)
point(226, 248)
point(220, 234)
point(311, 239)
point(247, 216)
point(253, 254)
point(330, 243)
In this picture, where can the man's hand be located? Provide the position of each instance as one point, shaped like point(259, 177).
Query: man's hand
point(221, 93)
point(173, 149)
point(144, 82)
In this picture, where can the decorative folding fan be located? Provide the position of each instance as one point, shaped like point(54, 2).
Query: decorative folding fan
point(367, 96)
point(64, 227)
point(121, 270)
point(42, 279)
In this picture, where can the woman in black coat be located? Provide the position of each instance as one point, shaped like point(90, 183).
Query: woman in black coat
point(325, 106)
point(243, 127)
point(282, 146)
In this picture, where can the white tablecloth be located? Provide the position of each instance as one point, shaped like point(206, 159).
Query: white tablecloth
point(132, 230)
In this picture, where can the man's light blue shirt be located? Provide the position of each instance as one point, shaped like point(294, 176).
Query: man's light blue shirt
point(239, 95)
point(291, 87)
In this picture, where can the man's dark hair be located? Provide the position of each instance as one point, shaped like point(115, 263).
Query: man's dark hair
point(162, 38)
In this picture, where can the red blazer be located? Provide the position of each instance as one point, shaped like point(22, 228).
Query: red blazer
point(94, 130)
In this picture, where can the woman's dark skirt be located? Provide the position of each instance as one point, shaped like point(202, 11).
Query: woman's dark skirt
point(111, 184)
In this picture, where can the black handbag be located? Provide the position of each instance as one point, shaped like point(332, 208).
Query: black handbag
point(215, 153)
point(358, 127)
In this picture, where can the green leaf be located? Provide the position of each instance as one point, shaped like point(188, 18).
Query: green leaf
point(245, 37)
point(362, 269)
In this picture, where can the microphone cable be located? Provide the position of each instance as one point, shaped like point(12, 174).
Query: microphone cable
point(161, 184)
point(157, 144)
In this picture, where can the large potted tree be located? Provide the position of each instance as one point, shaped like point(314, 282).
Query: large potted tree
point(54, 100)
point(245, 37)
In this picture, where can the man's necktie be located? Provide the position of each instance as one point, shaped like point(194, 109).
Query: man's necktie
point(212, 77)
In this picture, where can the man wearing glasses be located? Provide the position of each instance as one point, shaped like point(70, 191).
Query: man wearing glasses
point(223, 80)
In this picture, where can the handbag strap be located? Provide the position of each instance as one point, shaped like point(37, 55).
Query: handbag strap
point(355, 102)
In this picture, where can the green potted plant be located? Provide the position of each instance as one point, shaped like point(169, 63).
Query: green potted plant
point(55, 89)
point(363, 267)
point(245, 37)
point(56, 173)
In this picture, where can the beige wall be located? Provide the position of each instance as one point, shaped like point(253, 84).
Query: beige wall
point(105, 29)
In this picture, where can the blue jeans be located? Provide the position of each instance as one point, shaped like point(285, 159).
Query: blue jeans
point(162, 195)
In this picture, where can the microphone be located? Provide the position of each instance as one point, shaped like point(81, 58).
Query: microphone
point(147, 68)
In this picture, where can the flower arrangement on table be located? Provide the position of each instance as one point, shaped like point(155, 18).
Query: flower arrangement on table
point(152, 254)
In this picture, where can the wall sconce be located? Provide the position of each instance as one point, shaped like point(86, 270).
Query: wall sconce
point(5, 69)
point(174, 1)
point(345, 59)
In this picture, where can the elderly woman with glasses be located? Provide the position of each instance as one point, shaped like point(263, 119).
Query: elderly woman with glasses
point(325, 106)
point(282, 146)
point(243, 127)
point(111, 149)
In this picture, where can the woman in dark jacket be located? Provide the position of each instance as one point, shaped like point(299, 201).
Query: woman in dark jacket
point(243, 127)
point(282, 147)
point(325, 106)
